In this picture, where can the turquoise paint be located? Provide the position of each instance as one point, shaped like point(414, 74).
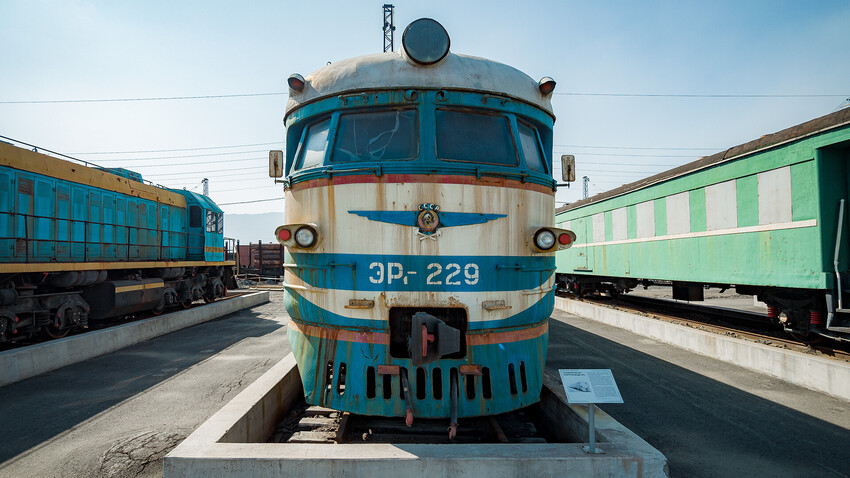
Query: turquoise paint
point(426, 103)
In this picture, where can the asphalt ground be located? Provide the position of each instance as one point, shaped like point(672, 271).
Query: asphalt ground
point(709, 418)
point(119, 414)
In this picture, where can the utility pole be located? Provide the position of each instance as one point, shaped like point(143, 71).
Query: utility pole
point(586, 181)
point(207, 187)
point(389, 27)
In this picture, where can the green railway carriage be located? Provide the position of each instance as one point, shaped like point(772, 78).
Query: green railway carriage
point(767, 217)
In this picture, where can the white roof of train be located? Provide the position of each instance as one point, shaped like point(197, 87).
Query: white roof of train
point(394, 70)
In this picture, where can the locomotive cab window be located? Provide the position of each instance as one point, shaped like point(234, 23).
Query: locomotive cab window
point(531, 147)
point(194, 216)
point(475, 138)
point(378, 136)
point(313, 145)
point(212, 221)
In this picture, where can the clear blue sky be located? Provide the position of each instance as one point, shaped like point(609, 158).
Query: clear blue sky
point(58, 50)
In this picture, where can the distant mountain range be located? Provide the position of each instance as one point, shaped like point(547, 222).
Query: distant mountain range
point(252, 228)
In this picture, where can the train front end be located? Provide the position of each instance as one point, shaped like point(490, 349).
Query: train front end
point(419, 232)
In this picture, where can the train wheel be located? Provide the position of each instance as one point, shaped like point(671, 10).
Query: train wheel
point(186, 303)
point(55, 332)
point(209, 299)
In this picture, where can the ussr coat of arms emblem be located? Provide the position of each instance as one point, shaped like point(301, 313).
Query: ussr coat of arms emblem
point(428, 218)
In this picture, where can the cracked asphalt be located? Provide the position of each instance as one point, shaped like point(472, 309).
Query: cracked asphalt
point(119, 414)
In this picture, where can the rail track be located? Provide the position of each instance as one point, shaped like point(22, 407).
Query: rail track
point(725, 321)
point(320, 425)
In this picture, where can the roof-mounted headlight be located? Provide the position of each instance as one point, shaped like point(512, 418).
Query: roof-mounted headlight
point(425, 41)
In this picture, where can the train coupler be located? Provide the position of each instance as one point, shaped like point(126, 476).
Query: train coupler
point(431, 338)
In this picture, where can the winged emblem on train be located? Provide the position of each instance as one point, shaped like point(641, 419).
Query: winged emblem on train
point(428, 218)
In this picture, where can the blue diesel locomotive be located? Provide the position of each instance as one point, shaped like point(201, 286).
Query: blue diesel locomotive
point(79, 243)
point(420, 244)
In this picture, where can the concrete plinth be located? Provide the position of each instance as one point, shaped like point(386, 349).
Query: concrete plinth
point(26, 362)
point(816, 373)
point(231, 443)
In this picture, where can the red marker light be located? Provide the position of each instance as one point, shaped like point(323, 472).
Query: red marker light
point(296, 82)
point(564, 239)
point(284, 234)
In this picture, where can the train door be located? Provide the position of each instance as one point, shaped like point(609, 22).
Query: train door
point(7, 244)
point(214, 236)
point(195, 240)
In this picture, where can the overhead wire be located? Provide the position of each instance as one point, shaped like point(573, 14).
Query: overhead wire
point(155, 98)
point(186, 156)
point(181, 149)
point(283, 93)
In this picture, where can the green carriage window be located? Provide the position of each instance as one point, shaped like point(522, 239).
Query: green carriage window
point(314, 144)
point(531, 147)
point(378, 136)
point(475, 138)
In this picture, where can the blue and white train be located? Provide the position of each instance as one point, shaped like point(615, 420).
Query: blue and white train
point(420, 238)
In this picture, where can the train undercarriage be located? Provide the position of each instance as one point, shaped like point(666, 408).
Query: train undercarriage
point(55, 303)
point(807, 314)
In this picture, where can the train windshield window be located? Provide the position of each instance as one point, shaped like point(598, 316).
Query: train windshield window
point(379, 136)
point(314, 144)
point(531, 147)
point(220, 223)
point(475, 138)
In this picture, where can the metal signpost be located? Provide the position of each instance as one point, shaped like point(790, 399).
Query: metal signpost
point(590, 386)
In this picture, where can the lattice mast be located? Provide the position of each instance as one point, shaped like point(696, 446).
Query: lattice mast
point(389, 27)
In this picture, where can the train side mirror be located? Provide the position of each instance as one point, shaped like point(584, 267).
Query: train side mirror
point(275, 164)
point(568, 168)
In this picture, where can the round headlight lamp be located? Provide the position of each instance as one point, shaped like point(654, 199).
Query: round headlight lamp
point(425, 41)
point(305, 236)
point(544, 239)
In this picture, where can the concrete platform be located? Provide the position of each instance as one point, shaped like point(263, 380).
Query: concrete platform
point(232, 443)
point(810, 371)
point(26, 362)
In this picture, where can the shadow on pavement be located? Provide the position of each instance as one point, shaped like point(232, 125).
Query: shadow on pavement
point(39, 408)
point(704, 427)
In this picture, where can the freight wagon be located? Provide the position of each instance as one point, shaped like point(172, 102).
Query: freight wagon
point(768, 217)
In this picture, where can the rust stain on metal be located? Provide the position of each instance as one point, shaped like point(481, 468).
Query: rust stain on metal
point(360, 304)
point(388, 369)
point(470, 369)
point(508, 336)
point(327, 333)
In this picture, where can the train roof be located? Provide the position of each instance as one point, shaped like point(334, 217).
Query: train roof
point(794, 133)
point(394, 70)
point(26, 160)
point(204, 201)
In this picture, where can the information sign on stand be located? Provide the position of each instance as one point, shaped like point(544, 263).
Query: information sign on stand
point(590, 386)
